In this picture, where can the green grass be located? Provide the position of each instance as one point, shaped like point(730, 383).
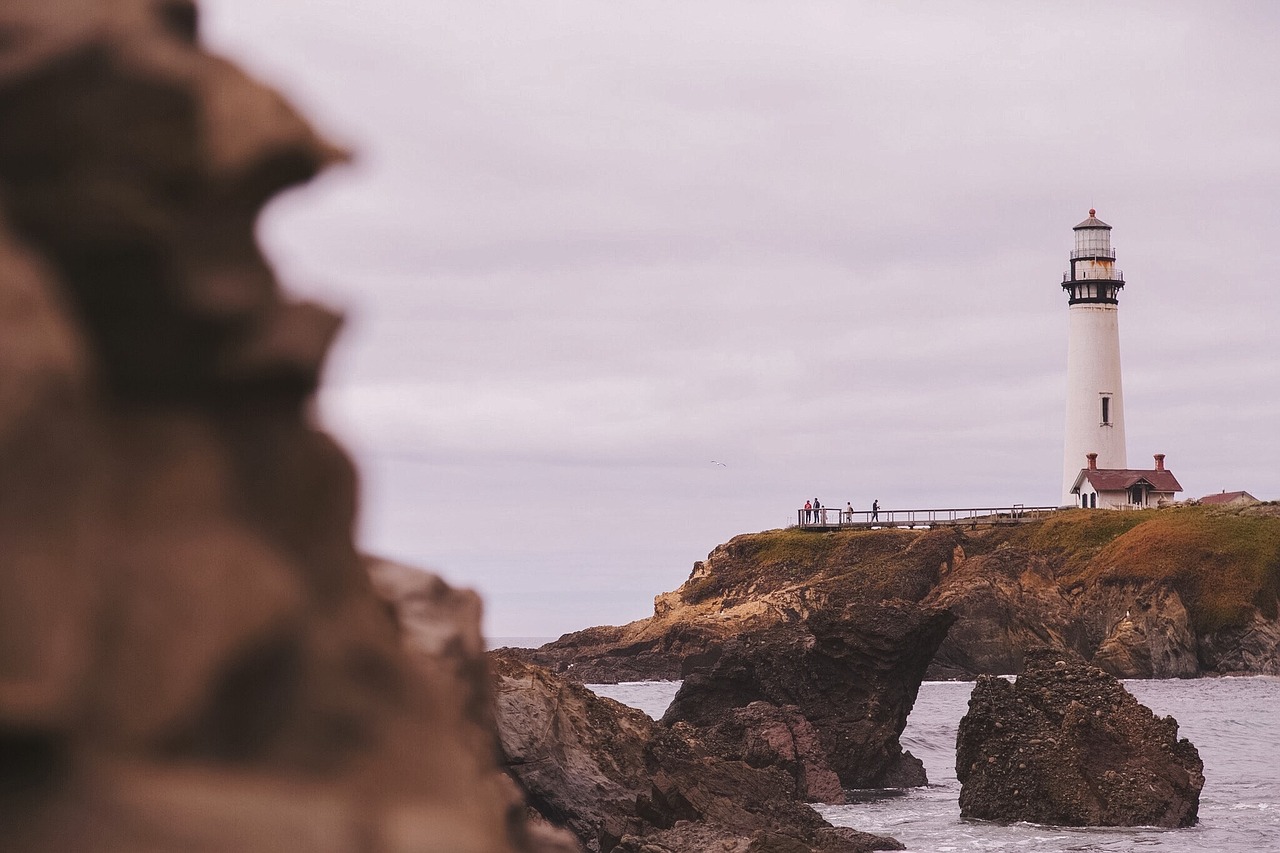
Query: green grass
point(1076, 536)
point(870, 564)
point(1221, 563)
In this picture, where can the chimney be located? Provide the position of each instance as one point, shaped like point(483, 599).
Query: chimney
point(1093, 461)
point(1159, 461)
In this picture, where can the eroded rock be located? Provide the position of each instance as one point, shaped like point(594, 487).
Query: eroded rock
point(624, 783)
point(1066, 744)
point(852, 675)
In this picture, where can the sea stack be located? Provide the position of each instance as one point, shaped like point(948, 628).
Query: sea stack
point(1066, 744)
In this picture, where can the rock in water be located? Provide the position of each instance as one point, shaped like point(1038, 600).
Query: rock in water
point(625, 784)
point(1066, 744)
point(853, 675)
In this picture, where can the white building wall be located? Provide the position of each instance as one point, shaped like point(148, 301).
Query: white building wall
point(1113, 500)
point(1093, 371)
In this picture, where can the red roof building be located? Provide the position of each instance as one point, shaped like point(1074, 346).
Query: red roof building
point(1229, 499)
point(1124, 488)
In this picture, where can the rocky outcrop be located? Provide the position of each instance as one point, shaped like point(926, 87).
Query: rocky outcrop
point(1066, 744)
point(611, 655)
point(1150, 638)
point(192, 656)
point(625, 784)
point(1168, 593)
point(853, 676)
point(1004, 602)
point(765, 735)
point(1251, 648)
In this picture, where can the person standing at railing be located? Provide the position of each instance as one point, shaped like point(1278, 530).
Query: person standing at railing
point(875, 510)
point(808, 512)
point(848, 511)
point(817, 510)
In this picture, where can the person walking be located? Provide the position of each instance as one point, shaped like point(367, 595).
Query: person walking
point(875, 510)
point(848, 512)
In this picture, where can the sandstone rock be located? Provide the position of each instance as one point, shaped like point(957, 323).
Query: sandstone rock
point(1003, 602)
point(853, 675)
point(1151, 638)
point(192, 656)
point(610, 655)
point(1066, 744)
point(1252, 648)
point(1198, 585)
point(623, 783)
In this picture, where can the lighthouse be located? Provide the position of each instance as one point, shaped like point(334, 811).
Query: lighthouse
point(1095, 399)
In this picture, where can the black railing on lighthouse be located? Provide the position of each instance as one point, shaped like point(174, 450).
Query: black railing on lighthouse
point(834, 518)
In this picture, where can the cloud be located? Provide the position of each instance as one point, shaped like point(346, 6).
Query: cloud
point(586, 248)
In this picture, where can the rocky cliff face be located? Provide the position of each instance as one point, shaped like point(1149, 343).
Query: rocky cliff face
point(191, 653)
point(1163, 593)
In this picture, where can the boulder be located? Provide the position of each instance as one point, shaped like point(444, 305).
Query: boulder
point(624, 783)
point(1066, 744)
point(853, 676)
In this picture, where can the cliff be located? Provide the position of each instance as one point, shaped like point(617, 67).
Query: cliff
point(1176, 592)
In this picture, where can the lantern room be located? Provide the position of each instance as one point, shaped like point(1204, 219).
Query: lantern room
point(1093, 276)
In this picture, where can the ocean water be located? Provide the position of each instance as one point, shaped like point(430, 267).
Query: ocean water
point(1234, 723)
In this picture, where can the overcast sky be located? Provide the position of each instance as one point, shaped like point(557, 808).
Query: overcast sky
point(586, 248)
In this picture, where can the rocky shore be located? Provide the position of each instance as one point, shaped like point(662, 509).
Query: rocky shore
point(625, 784)
point(1176, 592)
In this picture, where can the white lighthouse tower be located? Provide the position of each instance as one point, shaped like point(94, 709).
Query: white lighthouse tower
point(1095, 401)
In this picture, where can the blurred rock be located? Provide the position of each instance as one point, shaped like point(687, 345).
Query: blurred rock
point(192, 655)
point(1066, 744)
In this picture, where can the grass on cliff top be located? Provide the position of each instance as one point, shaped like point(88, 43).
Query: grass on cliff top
point(1077, 536)
point(1219, 561)
point(873, 563)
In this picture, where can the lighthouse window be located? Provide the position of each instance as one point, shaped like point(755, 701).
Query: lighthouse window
point(1106, 410)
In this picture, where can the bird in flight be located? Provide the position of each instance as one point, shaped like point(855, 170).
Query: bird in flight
point(721, 464)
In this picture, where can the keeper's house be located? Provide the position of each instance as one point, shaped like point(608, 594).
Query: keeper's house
point(1124, 488)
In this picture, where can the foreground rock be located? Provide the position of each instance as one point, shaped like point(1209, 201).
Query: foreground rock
point(850, 677)
point(1066, 744)
point(624, 783)
point(192, 656)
